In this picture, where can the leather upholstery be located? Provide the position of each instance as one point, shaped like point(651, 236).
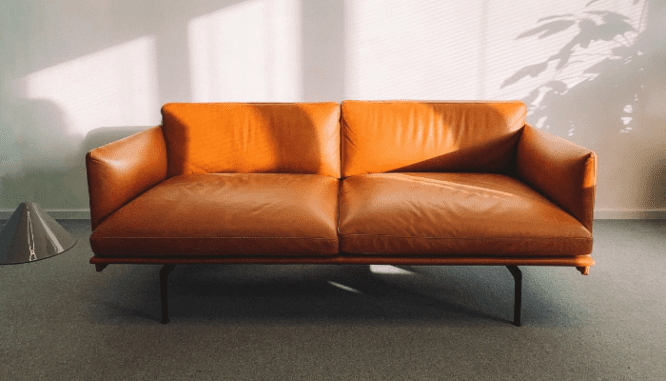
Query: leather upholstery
point(406, 136)
point(226, 214)
point(121, 170)
point(397, 182)
point(563, 171)
point(260, 137)
point(454, 214)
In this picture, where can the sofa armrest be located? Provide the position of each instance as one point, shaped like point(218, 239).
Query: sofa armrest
point(121, 170)
point(564, 172)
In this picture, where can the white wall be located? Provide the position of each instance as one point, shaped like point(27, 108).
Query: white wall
point(76, 74)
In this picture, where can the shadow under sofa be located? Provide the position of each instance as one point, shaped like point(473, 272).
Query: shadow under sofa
point(361, 182)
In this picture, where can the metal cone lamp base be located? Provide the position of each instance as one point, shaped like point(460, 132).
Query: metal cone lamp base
point(31, 235)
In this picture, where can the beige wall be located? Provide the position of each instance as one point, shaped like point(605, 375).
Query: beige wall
point(75, 74)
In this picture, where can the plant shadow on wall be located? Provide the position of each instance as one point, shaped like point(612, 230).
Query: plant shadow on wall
point(597, 73)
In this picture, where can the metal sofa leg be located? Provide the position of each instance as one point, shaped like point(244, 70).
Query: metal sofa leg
point(164, 274)
point(100, 267)
point(518, 278)
point(585, 270)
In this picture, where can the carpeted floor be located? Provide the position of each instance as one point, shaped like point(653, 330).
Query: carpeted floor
point(60, 320)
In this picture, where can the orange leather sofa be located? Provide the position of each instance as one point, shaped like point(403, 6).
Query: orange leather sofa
point(384, 182)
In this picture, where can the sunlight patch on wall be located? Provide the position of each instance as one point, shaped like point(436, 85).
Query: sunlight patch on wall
point(413, 50)
point(115, 87)
point(248, 52)
point(429, 49)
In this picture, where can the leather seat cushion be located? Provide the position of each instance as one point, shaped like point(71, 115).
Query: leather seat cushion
point(454, 214)
point(234, 214)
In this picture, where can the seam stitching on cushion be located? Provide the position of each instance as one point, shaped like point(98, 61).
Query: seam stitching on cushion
point(398, 236)
point(330, 239)
point(466, 256)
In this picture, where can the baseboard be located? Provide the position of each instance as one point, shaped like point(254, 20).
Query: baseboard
point(630, 214)
point(599, 214)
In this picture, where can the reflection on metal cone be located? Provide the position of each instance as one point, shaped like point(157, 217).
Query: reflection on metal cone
point(31, 234)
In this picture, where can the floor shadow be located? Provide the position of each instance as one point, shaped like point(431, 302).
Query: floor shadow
point(297, 294)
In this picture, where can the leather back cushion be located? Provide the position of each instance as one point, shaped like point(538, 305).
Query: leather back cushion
point(252, 137)
point(420, 136)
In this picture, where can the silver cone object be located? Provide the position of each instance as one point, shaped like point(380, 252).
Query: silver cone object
point(31, 234)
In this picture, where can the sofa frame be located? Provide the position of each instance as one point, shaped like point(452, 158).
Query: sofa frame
point(168, 265)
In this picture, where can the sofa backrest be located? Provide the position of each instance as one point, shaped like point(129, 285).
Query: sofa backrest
point(423, 136)
point(252, 137)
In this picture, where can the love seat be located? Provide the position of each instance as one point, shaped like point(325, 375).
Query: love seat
point(361, 182)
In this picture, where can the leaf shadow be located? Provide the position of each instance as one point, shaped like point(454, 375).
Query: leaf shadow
point(581, 60)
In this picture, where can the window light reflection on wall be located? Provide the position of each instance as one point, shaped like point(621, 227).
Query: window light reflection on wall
point(247, 52)
point(112, 88)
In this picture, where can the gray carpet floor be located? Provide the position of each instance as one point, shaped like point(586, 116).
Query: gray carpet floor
point(61, 320)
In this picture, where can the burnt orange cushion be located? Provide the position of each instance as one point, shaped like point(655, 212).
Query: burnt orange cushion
point(252, 137)
point(454, 214)
point(226, 214)
point(419, 136)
